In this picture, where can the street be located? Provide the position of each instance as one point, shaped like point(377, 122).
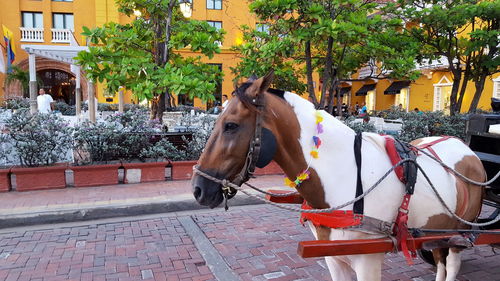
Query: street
point(256, 242)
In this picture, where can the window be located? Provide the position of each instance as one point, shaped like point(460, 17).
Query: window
point(216, 24)
point(496, 88)
point(217, 92)
point(62, 21)
point(214, 4)
point(263, 27)
point(32, 20)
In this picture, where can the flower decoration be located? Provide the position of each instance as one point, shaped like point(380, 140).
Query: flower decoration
point(314, 153)
point(300, 178)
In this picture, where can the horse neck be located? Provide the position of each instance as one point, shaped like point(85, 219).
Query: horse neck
point(295, 132)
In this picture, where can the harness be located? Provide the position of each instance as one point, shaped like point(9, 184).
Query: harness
point(356, 220)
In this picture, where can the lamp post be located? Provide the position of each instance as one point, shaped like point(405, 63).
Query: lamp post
point(186, 8)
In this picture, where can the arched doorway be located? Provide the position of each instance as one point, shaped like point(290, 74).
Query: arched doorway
point(59, 84)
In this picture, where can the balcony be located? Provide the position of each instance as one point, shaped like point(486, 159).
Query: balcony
point(368, 71)
point(31, 34)
point(61, 35)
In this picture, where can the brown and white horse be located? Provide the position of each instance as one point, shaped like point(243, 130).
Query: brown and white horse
point(291, 119)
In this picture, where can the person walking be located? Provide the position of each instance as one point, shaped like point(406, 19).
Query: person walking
point(45, 103)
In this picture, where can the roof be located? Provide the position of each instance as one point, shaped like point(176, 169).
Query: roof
point(55, 52)
point(395, 87)
point(364, 90)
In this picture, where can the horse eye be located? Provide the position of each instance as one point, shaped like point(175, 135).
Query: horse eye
point(230, 126)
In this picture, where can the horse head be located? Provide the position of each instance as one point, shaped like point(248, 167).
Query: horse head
point(249, 133)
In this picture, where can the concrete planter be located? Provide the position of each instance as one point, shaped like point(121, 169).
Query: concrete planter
point(182, 170)
point(95, 175)
point(144, 172)
point(39, 178)
point(271, 169)
point(4, 180)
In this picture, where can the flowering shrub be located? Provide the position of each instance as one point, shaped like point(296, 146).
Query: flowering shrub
point(123, 136)
point(192, 148)
point(17, 103)
point(96, 142)
point(39, 139)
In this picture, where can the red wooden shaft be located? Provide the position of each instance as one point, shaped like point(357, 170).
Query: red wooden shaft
point(291, 199)
point(321, 248)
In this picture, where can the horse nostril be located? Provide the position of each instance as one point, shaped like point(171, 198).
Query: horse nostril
point(197, 193)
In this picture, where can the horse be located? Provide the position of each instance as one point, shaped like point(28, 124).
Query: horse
point(289, 124)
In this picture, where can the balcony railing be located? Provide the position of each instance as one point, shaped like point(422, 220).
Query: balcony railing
point(367, 71)
point(61, 35)
point(30, 34)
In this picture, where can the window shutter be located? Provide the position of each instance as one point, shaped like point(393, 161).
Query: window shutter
point(437, 98)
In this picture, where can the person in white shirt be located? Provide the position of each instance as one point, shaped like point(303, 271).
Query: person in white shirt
point(225, 101)
point(44, 102)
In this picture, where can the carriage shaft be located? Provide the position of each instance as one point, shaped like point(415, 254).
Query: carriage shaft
point(322, 248)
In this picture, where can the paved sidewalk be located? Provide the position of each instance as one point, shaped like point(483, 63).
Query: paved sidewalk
point(73, 204)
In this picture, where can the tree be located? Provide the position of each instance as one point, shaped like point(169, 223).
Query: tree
point(23, 77)
point(331, 38)
point(141, 56)
point(464, 32)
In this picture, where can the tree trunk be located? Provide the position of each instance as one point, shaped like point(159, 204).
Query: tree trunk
point(457, 77)
point(310, 84)
point(467, 74)
point(326, 72)
point(477, 95)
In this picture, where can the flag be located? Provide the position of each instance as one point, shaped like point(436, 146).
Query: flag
point(2, 61)
point(11, 47)
point(72, 42)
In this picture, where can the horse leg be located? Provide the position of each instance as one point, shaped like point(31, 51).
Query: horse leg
point(453, 261)
point(440, 260)
point(339, 270)
point(368, 267)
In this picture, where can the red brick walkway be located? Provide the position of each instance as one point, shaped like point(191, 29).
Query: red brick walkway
point(257, 242)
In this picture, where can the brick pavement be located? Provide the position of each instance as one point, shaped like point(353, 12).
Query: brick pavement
point(257, 242)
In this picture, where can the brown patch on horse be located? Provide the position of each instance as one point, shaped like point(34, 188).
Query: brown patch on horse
point(469, 196)
point(280, 117)
point(416, 142)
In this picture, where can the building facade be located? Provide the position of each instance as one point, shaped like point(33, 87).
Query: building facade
point(51, 22)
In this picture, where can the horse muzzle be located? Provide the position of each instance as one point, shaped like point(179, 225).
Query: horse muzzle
point(207, 192)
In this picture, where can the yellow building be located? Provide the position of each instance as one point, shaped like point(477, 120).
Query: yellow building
point(50, 22)
point(430, 92)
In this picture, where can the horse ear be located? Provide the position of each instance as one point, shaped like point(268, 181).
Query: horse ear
point(262, 84)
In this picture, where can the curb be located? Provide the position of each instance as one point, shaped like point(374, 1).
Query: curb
point(72, 215)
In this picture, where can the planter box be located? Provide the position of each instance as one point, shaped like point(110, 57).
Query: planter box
point(95, 175)
point(38, 178)
point(4, 180)
point(144, 172)
point(182, 170)
point(271, 169)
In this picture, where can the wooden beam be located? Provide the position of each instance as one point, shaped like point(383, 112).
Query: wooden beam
point(291, 199)
point(322, 248)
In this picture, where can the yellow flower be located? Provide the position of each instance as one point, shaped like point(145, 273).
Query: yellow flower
point(290, 183)
point(314, 154)
point(319, 117)
point(303, 177)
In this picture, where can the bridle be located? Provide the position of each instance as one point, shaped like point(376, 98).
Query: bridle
point(250, 161)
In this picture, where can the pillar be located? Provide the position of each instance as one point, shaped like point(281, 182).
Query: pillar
point(78, 94)
point(91, 101)
point(33, 84)
point(121, 103)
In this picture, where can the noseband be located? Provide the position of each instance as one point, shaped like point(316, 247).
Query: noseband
point(252, 159)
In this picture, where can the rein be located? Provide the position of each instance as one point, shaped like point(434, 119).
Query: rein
point(227, 184)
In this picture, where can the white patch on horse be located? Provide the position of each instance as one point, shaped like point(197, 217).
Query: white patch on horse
point(336, 168)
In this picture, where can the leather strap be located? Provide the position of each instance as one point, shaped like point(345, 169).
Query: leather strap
point(358, 207)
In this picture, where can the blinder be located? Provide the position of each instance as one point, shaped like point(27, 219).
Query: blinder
point(268, 148)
